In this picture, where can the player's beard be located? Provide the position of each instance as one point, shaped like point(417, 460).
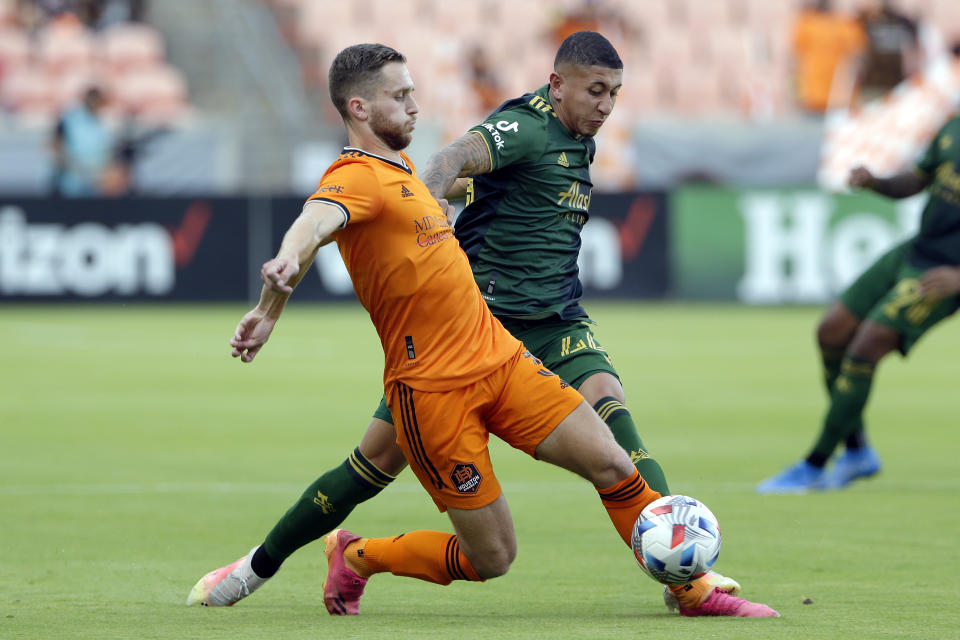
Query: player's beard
point(393, 135)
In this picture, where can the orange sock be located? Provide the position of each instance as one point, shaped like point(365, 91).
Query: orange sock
point(693, 594)
point(625, 500)
point(427, 555)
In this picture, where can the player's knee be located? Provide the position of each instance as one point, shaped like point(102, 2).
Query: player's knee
point(873, 342)
point(611, 468)
point(837, 328)
point(601, 385)
point(494, 562)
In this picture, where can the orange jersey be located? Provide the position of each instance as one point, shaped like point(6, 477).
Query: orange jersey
point(412, 277)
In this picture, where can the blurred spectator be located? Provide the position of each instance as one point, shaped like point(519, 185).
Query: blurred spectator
point(484, 80)
point(95, 14)
point(82, 147)
point(585, 17)
point(826, 48)
point(593, 15)
point(892, 48)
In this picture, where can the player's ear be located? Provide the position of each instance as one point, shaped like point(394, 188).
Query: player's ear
point(358, 108)
point(556, 84)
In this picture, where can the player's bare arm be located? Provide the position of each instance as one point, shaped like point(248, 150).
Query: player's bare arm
point(466, 156)
point(458, 190)
point(902, 185)
point(310, 231)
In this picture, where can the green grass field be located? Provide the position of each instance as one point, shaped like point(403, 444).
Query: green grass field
point(135, 455)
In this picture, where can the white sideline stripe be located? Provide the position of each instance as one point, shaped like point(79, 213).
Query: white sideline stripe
point(413, 487)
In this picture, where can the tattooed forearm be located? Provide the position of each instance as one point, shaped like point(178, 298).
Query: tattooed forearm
point(465, 156)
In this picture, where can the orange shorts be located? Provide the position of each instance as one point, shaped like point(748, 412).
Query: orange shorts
point(444, 434)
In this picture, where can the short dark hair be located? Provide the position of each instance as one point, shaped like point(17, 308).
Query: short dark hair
point(355, 71)
point(586, 49)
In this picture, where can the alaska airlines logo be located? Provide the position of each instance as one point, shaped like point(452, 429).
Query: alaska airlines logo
point(573, 198)
point(431, 230)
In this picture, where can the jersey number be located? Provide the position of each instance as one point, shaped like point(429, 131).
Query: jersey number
point(503, 125)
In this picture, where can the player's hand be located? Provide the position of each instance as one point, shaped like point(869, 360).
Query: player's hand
point(861, 178)
point(448, 210)
point(276, 273)
point(940, 282)
point(251, 334)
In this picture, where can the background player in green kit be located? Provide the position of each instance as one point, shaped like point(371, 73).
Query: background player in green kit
point(898, 299)
point(527, 201)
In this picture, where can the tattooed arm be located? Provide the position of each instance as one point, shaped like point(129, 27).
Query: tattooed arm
point(465, 156)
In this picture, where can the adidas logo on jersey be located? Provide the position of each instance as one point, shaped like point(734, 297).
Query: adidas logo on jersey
point(404, 192)
point(562, 159)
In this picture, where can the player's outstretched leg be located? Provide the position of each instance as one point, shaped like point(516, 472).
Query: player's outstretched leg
point(325, 504)
point(225, 586)
point(431, 556)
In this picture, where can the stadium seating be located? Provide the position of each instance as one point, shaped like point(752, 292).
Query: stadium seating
point(42, 73)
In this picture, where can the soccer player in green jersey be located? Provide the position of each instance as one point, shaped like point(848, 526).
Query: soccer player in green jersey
point(898, 299)
point(525, 172)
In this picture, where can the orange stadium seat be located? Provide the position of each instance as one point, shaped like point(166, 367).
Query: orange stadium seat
point(155, 94)
point(8, 13)
point(15, 49)
point(29, 94)
point(125, 47)
point(65, 50)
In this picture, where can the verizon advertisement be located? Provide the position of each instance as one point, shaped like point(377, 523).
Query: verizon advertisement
point(191, 249)
point(211, 249)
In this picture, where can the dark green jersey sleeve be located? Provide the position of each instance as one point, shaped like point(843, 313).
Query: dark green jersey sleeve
point(938, 240)
point(929, 161)
point(516, 135)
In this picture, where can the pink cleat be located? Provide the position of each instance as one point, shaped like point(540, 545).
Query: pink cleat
point(343, 587)
point(721, 603)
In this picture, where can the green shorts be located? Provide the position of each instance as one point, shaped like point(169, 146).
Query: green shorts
point(888, 293)
point(566, 347)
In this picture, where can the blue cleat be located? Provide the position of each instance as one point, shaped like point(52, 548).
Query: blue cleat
point(854, 463)
point(798, 478)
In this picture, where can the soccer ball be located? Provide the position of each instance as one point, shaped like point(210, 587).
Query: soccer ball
point(676, 539)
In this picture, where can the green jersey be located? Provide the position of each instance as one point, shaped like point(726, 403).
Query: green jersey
point(938, 241)
point(521, 226)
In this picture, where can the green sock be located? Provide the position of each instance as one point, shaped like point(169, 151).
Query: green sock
point(325, 504)
point(832, 359)
point(845, 415)
point(831, 365)
point(625, 433)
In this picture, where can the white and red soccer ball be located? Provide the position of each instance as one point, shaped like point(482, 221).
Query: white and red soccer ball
point(676, 539)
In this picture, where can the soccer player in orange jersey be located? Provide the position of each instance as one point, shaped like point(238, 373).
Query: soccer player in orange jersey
point(453, 374)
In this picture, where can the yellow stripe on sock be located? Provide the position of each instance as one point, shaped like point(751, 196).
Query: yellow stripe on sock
point(363, 473)
point(609, 407)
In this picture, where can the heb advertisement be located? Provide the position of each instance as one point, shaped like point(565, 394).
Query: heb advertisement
point(780, 246)
point(623, 253)
point(123, 249)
